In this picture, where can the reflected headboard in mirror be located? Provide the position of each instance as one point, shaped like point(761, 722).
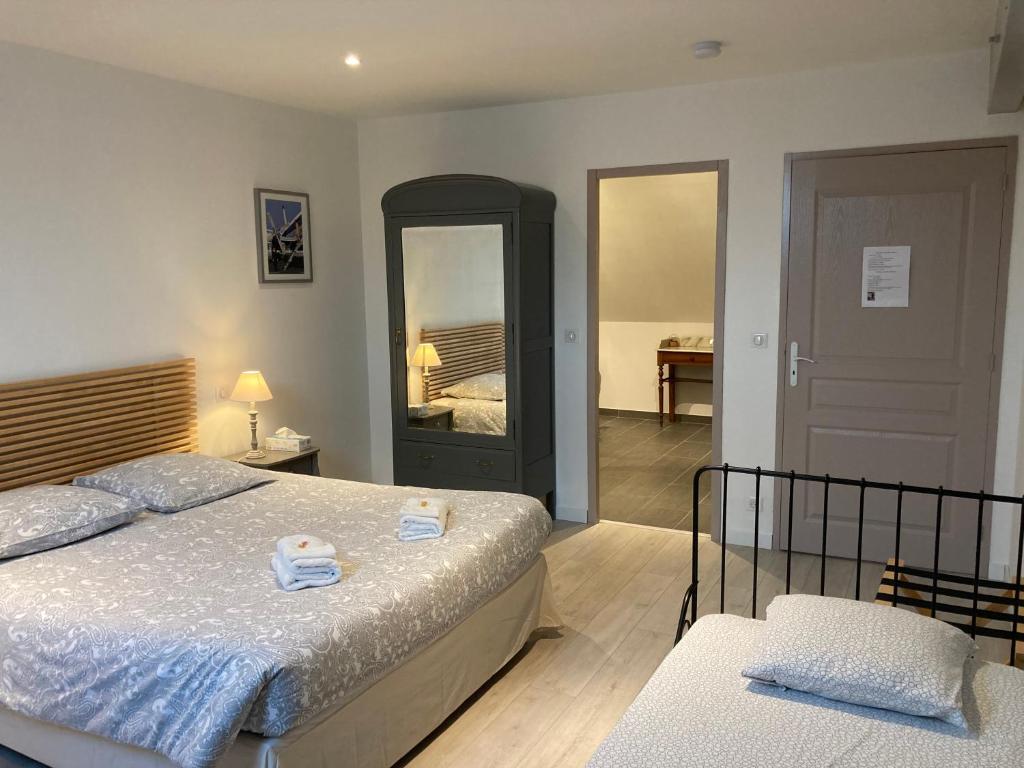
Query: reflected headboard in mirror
point(52, 430)
point(464, 351)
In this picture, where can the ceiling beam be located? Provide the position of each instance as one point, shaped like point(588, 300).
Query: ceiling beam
point(1006, 62)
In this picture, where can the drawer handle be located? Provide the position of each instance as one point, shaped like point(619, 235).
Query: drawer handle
point(426, 459)
point(486, 466)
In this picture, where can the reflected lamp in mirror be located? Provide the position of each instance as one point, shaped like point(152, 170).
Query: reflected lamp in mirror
point(252, 388)
point(424, 357)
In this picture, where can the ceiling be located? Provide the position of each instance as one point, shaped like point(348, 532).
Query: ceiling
point(426, 55)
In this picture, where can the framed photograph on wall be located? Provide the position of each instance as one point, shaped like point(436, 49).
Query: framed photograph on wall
point(282, 232)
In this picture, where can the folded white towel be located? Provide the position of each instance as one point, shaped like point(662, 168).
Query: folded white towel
point(426, 506)
point(306, 550)
point(320, 571)
point(290, 583)
point(312, 563)
point(416, 527)
point(418, 533)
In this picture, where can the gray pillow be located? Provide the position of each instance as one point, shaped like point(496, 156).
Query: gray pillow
point(866, 654)
point(45, 516)
point(485, 386)
point(176, 481)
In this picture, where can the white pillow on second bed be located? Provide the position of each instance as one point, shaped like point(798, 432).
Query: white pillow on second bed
point(866, 654)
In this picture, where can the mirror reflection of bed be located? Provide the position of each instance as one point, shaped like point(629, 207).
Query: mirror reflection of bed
point(455, 312)
point(468, 376)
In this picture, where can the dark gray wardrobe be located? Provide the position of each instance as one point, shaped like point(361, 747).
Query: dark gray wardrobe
point(470, 291)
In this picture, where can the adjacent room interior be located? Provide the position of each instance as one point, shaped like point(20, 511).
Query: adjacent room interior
point(657, 253)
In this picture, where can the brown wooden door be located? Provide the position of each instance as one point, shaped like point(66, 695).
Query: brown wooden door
point(893, 393)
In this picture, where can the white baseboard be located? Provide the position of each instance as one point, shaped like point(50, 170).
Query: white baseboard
point(572, 514)
point(1002, 571)
point(744, 537)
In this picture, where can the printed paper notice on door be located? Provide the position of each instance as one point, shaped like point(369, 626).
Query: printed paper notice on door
point(885, 280)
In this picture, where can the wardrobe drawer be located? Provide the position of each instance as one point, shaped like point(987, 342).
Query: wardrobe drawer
point(453, 460)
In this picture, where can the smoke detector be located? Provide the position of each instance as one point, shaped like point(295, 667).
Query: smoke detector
point(707, 49)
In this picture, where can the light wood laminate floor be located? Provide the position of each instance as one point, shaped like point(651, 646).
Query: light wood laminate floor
point(619, 589)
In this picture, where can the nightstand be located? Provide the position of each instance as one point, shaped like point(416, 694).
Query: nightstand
point(305, 462)
point(439, 417)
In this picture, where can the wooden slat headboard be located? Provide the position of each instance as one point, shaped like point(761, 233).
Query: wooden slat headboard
point(465, 351)
point(54, 429)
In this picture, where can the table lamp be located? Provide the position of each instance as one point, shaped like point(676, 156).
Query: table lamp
point(252, 388)
point(424, 357)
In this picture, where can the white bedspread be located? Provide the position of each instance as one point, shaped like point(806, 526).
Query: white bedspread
point(697, 710)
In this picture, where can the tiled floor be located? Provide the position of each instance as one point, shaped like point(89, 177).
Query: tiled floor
point(646, 472)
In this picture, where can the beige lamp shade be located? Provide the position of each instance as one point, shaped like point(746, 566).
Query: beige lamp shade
point(425, 356)
point(251, 388)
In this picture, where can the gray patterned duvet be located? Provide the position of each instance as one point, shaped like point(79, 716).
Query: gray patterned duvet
point(697, 710)
point(483, 417)
point(171, 633)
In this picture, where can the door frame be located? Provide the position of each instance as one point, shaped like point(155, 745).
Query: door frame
point(1009, 143)
point(594, 177)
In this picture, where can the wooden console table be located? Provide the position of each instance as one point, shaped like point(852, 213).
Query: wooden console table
point(673, 356)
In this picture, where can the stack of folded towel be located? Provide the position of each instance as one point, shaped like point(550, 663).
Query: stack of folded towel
point(305, 561)
point(423, 518)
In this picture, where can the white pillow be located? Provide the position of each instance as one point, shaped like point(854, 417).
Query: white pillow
point(485, 386)
point(176, 481)
point(46, 516)
point(866, 654)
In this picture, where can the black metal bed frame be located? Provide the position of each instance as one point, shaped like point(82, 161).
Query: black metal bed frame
point(974, 619)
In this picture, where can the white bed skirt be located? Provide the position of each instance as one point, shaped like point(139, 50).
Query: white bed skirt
point(373, 730)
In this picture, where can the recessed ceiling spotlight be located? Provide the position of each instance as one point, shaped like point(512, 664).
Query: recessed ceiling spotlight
point(707, 49)
point(353, 60)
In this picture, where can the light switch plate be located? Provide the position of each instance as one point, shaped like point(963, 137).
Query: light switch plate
point(759, 340)
point(571, 336)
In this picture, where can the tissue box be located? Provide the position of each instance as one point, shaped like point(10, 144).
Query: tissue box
point(294, 444)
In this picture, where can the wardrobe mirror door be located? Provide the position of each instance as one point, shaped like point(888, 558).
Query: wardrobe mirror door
point(454, 285)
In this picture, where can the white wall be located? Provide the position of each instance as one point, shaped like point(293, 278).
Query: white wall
point(127, 235)
point(658, 238)
point(752, 123)
point(629, 371)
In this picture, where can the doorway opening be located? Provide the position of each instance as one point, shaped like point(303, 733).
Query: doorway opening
point(657, 290)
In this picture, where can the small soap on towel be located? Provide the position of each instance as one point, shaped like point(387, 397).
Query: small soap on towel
point(416, 527)
point(426, 506)
point(291, 583)
point(306, 550)
point(423, 517)
point(305, 561)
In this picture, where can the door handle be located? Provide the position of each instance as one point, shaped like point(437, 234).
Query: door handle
point(794, 363)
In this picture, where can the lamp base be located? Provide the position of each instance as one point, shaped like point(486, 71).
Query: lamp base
point(254, 445)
